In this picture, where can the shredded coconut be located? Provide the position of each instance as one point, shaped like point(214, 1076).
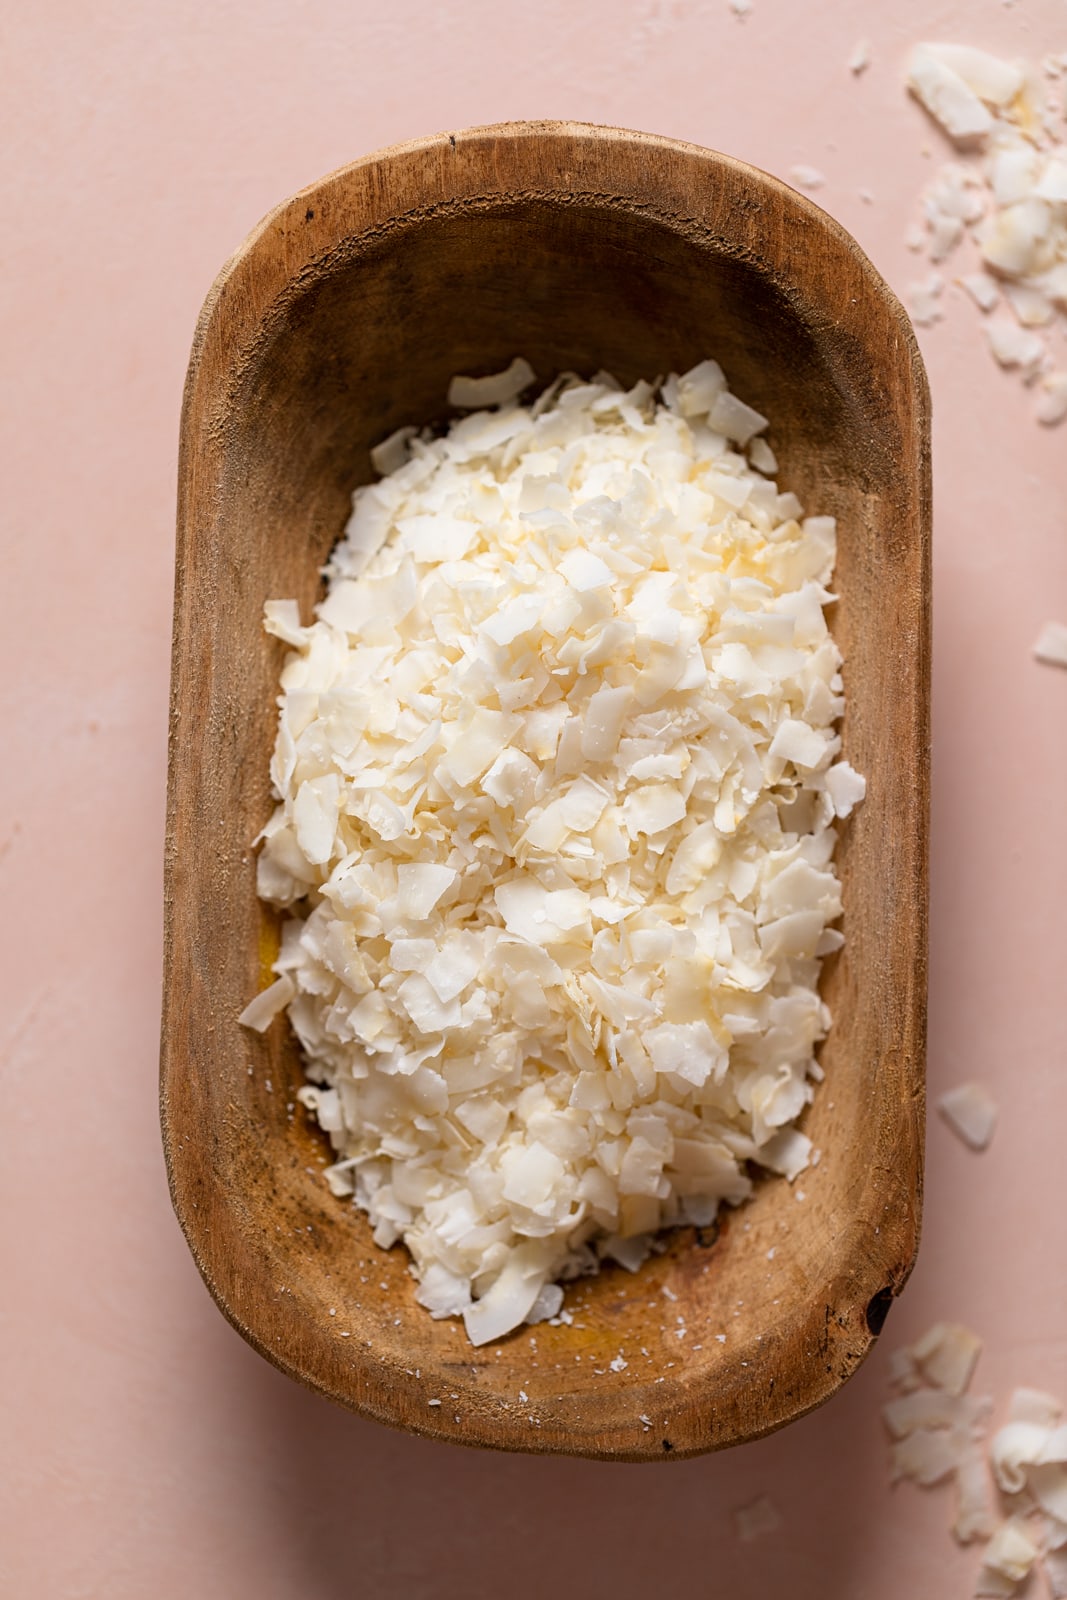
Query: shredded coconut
point(557, 772)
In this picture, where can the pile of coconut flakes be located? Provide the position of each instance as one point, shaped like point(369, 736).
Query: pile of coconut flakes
point(557, 770)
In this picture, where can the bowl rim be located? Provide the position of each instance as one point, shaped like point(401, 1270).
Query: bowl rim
point(292, 237)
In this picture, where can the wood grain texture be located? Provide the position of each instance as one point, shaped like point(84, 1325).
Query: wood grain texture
point(342, 317)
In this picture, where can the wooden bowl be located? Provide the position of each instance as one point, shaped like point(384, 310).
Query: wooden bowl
point(341, 317)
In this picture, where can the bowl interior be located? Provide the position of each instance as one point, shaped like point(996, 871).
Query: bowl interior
point(722, 1338)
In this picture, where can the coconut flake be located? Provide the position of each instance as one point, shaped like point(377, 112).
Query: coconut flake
point(946, 95)
point(929, 1408)
point(1010, 1553)
point(393, 452)
point(1051, 405)
point(926, 1456)
point(946, 1356)
point(1013, 346)
point(846, 788)
point(1051, 644)
point(755, 1521)
point(735, 419)
point(807, 177)
point(860, 59)
point(992, 80)
point(923, 298)
point(497, 389)
point(1034, 1406)
point(971, 1113)
point(976, 1516)
point(260, 1012)
point(982, 290)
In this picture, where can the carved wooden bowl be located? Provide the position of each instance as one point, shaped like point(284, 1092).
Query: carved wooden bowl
point(343, 316)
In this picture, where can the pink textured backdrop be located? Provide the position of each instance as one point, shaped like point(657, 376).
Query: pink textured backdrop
point(145, 1450)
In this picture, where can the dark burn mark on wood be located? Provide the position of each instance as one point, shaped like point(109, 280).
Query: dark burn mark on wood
point(878, 1309)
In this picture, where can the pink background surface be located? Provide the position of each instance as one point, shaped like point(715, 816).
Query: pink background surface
point(147, 1450)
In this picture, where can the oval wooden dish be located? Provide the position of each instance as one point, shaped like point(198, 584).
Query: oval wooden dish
point(343, 316)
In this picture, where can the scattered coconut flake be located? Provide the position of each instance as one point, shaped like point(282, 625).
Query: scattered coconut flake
point(946, 1356)
point(1011, 345)
point(945, 95)
point(929, 1408)
point(1030, 305)
point(924, 297)
point(740, 8)
point(976, 1515)
point(756, 1520)
point(807, 177)
point(992, 80)
point(971, 1112)
point(860, 59)
point(1010, 1553)
point(1051, 405)
point(903, 1373)
point(1051, 644)
point(553, 932)
point(1034, 1406)
point(981, 288)
point(926, 1456)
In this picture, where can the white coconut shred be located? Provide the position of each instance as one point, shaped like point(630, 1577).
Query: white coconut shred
point(557, 770)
